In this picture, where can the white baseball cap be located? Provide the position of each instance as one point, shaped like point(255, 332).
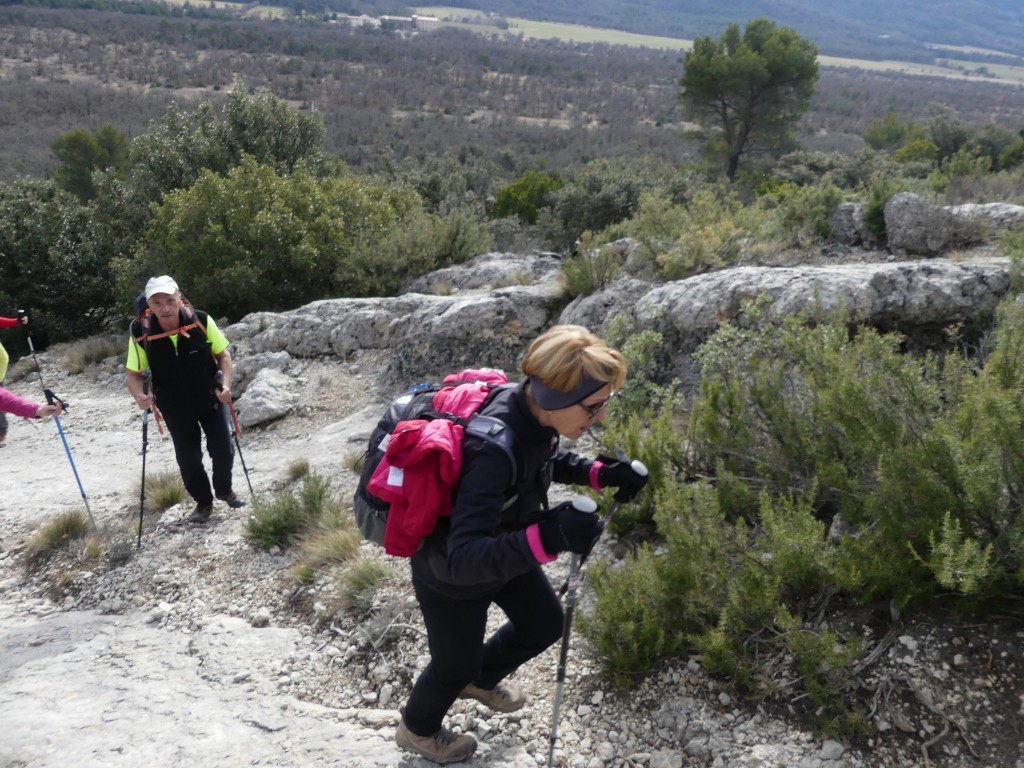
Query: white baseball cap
point(162, 284)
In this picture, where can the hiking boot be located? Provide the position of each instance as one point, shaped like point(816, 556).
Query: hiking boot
point(201, 513)
point(504, 697)
point(443, 747)
point(232, 500)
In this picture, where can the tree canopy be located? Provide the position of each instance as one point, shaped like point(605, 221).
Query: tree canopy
point(747, 90)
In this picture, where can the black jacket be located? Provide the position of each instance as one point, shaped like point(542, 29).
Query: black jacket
point(483, 544)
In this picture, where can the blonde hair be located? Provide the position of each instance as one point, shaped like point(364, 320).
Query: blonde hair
point(563, 356)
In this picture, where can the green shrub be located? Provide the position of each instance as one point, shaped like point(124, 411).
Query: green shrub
point(965, 163)
point(805, 213)
point(916, 151)
point(524, 197)
point(590, 269)
point(629, 624)
point(879, 192)
point(824, 659)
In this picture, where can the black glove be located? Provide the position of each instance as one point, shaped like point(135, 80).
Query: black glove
point(621, 475)
point(566, 528)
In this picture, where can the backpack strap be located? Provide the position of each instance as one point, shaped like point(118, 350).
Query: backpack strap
point(493, 430)
point(146, 320)
point(496, 432)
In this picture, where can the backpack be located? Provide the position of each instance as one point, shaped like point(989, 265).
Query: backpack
point(144, 317)
point(397, 504)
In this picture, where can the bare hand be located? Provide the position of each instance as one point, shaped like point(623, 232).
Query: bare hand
point(144, 401)
point(49, 410)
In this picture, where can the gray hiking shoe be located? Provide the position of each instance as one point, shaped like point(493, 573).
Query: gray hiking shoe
point(504, 697)
point(443, 747)
point(201, 513)
point(232, 500)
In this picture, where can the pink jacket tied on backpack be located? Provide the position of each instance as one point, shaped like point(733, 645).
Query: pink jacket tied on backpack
point(424, 457)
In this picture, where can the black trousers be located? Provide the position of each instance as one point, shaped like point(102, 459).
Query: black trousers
point(185, 426)
point(458, 654)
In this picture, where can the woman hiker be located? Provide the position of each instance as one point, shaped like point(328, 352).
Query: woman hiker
point(501, 530)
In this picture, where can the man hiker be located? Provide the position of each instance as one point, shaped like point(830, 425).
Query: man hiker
point(188, 359)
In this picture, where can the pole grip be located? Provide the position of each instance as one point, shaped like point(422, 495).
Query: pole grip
point(583, 503)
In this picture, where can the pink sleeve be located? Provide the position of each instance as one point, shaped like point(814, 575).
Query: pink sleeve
point(536, 547)
point(8, 322)
point(19, 406)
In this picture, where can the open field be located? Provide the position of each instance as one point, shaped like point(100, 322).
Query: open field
point(242, 9)
point(952, 68)
point(544, 30)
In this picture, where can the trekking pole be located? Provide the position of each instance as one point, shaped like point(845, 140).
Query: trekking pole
point(50, 399)
point(236, 432)
point(641, 469)
point(31, 348)
point(145, 442)
point(583, 504)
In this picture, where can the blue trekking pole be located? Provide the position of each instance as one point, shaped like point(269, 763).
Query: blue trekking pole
point(50, 400)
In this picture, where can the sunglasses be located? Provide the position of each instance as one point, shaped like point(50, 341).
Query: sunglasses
point(596, 408)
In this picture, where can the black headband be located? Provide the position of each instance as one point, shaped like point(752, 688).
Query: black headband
point(553, 399)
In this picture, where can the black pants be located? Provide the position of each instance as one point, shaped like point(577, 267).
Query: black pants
point(185, 427)
point(458, 654)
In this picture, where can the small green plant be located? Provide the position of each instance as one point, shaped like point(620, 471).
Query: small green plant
point(385, 626)
point(282, 519)
point(823, 658)
point(298, 468)
point(1012, 243)
point(163, 490)
point(960, 563)
point(120, 553)
point(93, 548)
point(276, 522)
point(303, 572)
point(60, 531)
point(333, 538)
point(444, 288)
point(359, 583)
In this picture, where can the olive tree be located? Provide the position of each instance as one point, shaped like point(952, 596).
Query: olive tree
point(747, 90)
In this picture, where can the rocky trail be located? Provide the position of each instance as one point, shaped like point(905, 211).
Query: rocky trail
point(200, 649)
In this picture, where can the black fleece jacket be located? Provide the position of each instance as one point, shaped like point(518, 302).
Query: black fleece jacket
point(483, 544)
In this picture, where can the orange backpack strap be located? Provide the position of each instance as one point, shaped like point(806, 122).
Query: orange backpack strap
point(190, 313)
